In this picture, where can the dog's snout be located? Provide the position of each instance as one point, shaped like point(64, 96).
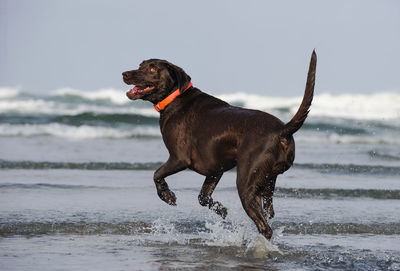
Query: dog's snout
point(125, 75)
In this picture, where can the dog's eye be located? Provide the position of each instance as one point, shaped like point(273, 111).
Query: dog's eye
point(153, 70)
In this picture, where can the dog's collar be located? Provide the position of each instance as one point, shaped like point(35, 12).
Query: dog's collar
point(161, 105)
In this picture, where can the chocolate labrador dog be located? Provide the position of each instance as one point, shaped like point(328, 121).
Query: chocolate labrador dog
point(210, 136)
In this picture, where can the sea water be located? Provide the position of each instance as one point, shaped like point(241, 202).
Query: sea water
point(76, 189)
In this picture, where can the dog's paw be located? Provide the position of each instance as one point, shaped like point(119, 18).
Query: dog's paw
point(219, 209)
point(168, 196)
point(271, 212)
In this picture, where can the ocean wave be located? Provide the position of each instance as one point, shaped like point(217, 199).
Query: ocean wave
point(38, 106)
point(108, 94)
point(82, 228)
point(8, 92)
point(349, 169)
point(87, 118)
point(78, 132)
point(139, 116)
point(391, 156)
point(300, 193)
point(377, 139)
point(46, 186)
point(338, 228)
point(207, 233)
point(330, 193)
point(84, 165)
point(323, 168)
point(69, 113)
point(121, 126)
point(376, 106)
point(333, 126)
point(90, 125)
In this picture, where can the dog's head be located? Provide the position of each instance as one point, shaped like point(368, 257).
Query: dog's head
point(155, 80)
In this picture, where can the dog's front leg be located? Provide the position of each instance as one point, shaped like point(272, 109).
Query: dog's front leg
point(205, 198)
point(170, 167)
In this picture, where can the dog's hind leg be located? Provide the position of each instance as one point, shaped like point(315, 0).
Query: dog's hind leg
point(205, 198)
point(267, 198)
point(170, 167)
point(250, 194)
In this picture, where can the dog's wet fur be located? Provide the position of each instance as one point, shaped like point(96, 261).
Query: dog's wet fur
point(209, 136)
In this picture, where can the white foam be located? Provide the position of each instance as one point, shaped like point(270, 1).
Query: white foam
point(242, 235)
point(260, 102)
point(260, 247)
point(110, 94)
point(221, 235)
point(76, 132)
point(8, 92)
point(165, 231)
point(31, 106)
point(381, 139)
point(41, 106)
point(378, 106)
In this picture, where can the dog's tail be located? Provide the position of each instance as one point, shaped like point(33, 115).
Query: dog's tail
point(297, 121)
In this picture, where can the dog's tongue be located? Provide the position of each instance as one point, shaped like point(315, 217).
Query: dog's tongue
point(133, 93)
point(137, 92)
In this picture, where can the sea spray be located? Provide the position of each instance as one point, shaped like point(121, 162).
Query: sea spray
point(242, 235)
point(221, 233)
point(164, 231)
point(260, 247)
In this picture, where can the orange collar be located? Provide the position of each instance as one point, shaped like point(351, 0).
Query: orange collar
point(161, 105)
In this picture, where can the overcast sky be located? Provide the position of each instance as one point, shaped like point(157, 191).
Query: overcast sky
point(260, 47)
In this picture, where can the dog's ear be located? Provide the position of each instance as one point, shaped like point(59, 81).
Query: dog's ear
point(181, 79)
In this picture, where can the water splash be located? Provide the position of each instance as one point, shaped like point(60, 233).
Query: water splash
point(260, 247)
point(165, 231)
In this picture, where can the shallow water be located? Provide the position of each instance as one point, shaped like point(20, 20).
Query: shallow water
point(76, 195)
point(112, 219)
